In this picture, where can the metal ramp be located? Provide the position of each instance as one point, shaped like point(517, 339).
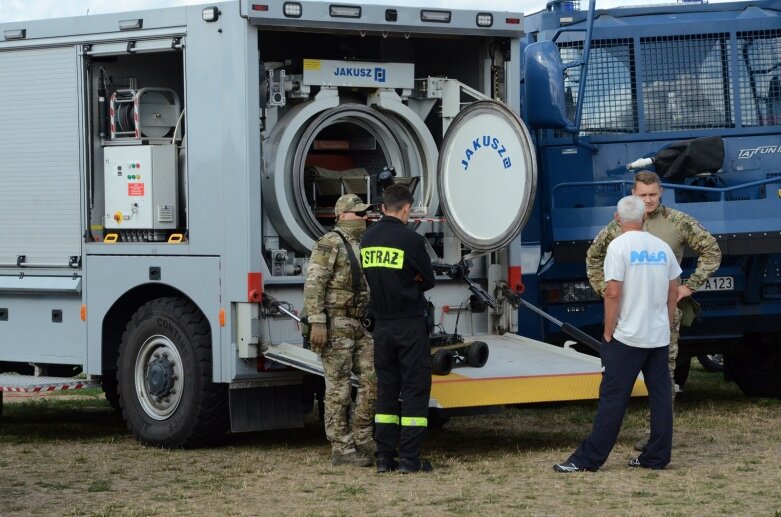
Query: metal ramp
point(11, 382)
point(522, 371)
point(519, 371)
point(15, 383)
point(298, 357)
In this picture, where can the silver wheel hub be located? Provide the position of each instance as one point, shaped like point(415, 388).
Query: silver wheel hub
point(159, 377)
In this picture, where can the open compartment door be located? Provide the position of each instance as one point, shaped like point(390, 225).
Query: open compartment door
point(487, 175)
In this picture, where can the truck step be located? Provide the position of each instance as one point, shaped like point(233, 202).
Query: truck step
point(11, 382)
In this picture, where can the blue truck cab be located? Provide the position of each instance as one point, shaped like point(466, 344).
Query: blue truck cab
point(604, 90)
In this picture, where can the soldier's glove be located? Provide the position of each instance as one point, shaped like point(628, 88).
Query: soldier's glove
point(318, 337)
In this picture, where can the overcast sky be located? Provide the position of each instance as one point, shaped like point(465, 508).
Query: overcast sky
point(12, 10)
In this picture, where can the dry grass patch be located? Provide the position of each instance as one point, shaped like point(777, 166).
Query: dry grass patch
point(74, 457)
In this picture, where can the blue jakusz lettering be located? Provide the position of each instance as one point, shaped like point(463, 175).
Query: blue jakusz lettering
point(353, 72)
point(486, 141)
point(644, 257)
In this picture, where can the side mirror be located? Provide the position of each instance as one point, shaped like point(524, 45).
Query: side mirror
point(544, 102)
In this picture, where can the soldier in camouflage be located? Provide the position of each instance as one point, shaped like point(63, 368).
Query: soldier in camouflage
point(334, 307)
point(677, 230)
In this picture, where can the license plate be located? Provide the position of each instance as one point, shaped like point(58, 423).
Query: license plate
point(719, 283)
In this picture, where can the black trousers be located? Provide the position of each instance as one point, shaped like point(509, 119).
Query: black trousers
point(622, 364)
point(402, 362)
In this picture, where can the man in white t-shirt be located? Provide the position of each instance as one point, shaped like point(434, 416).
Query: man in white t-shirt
point(641, 273)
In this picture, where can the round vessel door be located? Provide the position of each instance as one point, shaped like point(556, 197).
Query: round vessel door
point(487, 175)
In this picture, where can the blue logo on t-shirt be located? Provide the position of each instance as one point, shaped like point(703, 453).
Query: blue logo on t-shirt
point(645, 257)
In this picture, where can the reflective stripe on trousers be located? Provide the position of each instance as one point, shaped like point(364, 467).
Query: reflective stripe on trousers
point(386, 419)
point(414, 421)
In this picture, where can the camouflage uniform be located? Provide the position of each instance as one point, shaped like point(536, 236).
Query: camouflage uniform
point(329, 299)
point(677, 230)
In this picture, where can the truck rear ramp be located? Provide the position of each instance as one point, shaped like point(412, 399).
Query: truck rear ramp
point(518, 371)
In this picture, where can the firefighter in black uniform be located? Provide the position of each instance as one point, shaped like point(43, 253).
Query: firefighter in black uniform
point(398, 271)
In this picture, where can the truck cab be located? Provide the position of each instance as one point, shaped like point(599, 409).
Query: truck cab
point(634, 83)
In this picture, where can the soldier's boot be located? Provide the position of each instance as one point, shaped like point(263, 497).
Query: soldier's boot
point(407, 466)
point(351, 458)
point(367, 449)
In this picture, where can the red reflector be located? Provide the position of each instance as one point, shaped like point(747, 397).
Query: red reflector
point(514, 279)
point(254, 287)
point(259, 7)
point(512, 21)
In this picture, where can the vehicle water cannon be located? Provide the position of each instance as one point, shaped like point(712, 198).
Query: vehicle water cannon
point(685, 158)
point(642, 163)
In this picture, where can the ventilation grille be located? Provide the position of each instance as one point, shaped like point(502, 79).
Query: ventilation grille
point(165, 214)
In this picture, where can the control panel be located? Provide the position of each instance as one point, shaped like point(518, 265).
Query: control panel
point(140, 184)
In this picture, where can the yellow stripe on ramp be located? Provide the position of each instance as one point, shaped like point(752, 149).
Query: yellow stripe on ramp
point(458, 391)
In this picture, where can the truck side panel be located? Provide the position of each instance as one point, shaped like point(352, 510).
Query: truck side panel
point(112, 277)
point(59, 332)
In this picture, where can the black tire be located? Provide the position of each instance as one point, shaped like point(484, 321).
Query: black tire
point(477, 354)
point(755, 367)
point(711, 362)
point(683, 365)
point(109, 384)
point(164, 377)
point(442, 362)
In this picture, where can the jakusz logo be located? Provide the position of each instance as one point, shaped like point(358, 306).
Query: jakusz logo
point(378, 73)
point(765, 149)
point(487, 142)
point(644, 257)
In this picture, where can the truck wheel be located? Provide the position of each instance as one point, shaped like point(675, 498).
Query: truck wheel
point(711, 362)
point(442, 362)
point(683, 365)
point(756, 368)
point(109, 384)
point(164, 374)
point(477, 354)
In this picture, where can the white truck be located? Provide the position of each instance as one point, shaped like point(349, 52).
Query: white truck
point(166, 171)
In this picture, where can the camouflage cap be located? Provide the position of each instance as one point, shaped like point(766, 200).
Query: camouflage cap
point(350, 203)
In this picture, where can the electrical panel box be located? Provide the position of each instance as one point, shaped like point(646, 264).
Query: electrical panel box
point(140, 187)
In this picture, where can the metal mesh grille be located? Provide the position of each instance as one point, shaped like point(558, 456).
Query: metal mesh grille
point(608, 105)
point(686, 82)
point(759, 58)
point(718, 304)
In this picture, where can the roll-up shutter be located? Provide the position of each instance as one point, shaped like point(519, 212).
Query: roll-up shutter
point(40, 201)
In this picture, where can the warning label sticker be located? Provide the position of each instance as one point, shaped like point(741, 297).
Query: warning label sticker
point(135, 189)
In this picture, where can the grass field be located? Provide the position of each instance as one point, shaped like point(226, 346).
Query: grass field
point(67, 455)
